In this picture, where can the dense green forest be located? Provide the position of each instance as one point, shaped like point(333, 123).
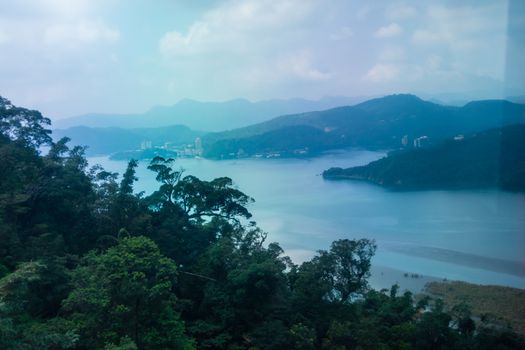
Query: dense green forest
point(86, 263)
point(491, 159)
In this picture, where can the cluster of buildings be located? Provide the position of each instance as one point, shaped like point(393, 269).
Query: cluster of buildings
point(190, 150)
point(418, 142)
point(277, 154)
point(423, 141)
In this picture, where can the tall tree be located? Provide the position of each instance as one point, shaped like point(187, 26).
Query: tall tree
point(127, 292)
point(24, 125)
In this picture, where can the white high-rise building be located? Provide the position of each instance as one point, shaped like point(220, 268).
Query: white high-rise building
point(198, 146)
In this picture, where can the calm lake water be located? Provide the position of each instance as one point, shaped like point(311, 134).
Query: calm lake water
point(475, 236)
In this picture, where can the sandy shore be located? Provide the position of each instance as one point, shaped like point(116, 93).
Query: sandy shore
point(385, 277)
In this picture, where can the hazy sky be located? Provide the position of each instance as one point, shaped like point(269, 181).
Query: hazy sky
point(67, 57)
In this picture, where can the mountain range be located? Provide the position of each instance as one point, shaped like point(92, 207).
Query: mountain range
point(207, 116)
point(381, 123)
point(389, 122)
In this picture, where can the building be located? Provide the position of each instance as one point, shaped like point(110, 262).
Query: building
point(421, 141)
point(404, 141)
point(146, 145)
point(198, 147)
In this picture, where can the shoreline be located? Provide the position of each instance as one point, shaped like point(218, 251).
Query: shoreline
point(383, 277)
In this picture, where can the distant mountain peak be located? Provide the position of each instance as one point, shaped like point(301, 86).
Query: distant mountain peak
point(492, 103)
point(405, 98)
point(396, 102)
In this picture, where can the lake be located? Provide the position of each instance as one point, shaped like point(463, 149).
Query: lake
point(476, 236)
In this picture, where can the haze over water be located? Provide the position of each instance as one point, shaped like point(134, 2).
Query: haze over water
point(476, 236)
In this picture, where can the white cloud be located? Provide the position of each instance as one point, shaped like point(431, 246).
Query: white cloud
point(232, 26)
point(471, 38)
point(363, 12)
point(434, 62)
point(426, 37)
point(389, 31)
point(249, 48)
point(3, 38)
point(400, 12)
point(300, 65)
point(84, 32)
point(393, 53)
point(173, 43)
point(461, 27)
point(67, 8)
point(382, 73)
point(343, 33)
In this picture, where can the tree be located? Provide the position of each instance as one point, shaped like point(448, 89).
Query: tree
point(168, 178)
point(127, 292)
point(244, 305)
point(195, 198)
point(336, 275)
point(189, 214)
point(23, 125)
point(350, 262)
point(26, 295)
point(127, 212)
point(433, 329)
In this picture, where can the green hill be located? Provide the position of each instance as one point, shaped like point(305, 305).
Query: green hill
point(376, 124)
point(494, 158)
point(111, 140)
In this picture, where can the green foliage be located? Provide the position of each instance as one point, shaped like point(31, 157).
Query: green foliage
point(124, 344)
point(24, 126)
point(26, 296)
point(335, 276)
point(126, 291)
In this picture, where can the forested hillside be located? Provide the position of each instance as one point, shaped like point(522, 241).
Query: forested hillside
point(380, 123)
point(490, 159)
point(86, 263)
point(104, 141)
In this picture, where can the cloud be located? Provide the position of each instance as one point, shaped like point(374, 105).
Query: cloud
point(382, 73)
point(343, 33)
point(94, 55)
point(389, 31)
point(68, 39)
point(84, 32)
point(300, 65)
point(174, 43)
point(392, 53)
point(363, 12)
point(400, 12)
point(434, 62)
point(259, 47)
point(461, 27)
point(426, 37)
point(473, 38)
point(232, 26)
point(3, 38)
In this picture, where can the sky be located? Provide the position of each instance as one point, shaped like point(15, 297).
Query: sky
point(70, 57)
